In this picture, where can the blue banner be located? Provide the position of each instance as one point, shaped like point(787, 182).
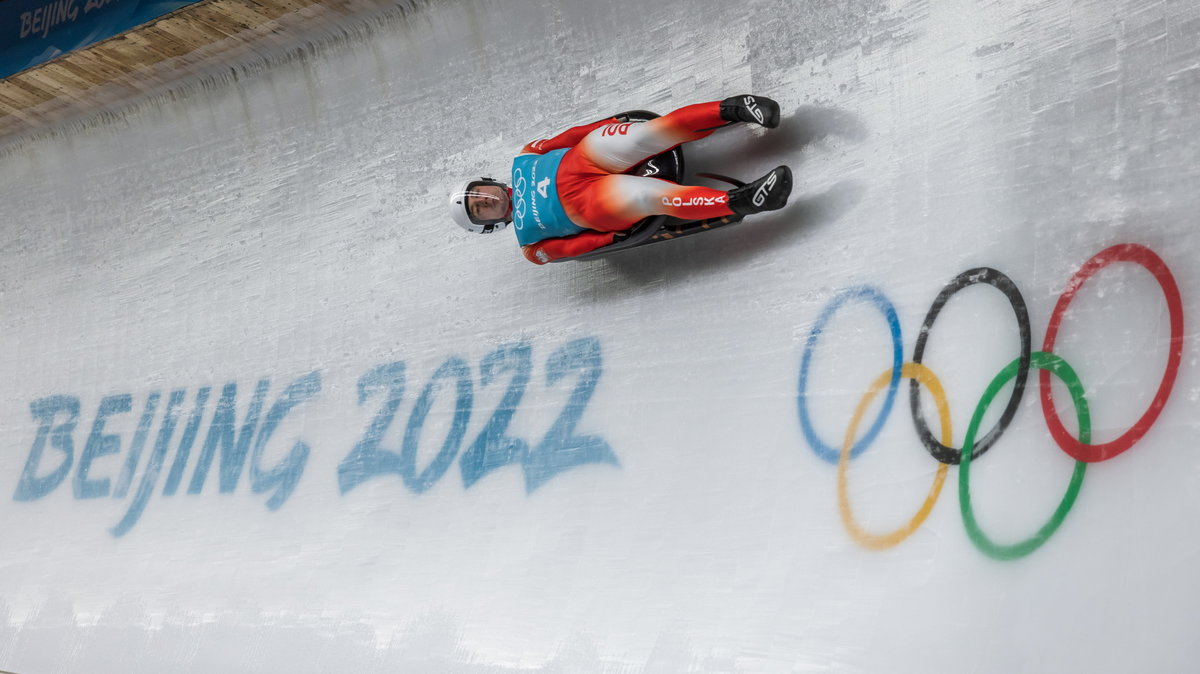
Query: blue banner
point(36, 31)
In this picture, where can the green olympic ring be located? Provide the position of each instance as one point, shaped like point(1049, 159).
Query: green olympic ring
point(1058, 367)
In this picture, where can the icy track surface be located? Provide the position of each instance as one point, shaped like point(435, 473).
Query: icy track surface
point(264, 409)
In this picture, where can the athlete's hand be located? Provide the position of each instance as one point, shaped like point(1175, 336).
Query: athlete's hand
point(536, 147)
point(535, 253)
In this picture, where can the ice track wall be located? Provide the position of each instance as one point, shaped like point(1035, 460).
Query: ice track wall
point(264, 409)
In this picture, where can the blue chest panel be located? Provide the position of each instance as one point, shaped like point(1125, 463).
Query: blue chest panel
point(537, 212)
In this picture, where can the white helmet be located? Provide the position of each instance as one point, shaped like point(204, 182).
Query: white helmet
point(462, 216)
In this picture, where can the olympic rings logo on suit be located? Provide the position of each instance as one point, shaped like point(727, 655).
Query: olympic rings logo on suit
point(519, 195)
point(974, 446)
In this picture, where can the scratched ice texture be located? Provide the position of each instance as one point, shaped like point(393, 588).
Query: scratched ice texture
point(263, 408)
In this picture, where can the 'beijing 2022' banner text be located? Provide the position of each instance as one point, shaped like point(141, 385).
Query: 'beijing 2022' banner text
point(36, 31)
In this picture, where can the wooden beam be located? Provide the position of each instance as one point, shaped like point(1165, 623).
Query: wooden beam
point(152, 57)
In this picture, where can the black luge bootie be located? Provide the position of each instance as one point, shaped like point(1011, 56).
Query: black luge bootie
point(768, 193)
point(751, 109)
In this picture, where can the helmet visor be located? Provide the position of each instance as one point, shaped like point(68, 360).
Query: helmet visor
point(486, 202)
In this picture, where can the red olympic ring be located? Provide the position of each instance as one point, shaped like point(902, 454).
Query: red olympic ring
point(1154, 264)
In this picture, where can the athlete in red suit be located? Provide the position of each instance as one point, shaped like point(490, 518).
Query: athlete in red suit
point(593, 196)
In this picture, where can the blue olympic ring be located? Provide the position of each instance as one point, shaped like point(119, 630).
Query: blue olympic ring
point(876, 297)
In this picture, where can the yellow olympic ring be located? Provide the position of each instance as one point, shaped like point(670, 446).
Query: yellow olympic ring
point(923, 375)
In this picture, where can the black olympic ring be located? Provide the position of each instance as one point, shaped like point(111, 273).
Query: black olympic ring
point(996, 279)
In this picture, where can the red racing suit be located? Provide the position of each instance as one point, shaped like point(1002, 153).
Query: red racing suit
point(598, 196)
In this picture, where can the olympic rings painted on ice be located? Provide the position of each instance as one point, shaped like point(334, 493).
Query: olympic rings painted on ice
point(1017, 371)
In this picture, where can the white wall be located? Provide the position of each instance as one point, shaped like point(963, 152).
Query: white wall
point(284, 229)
